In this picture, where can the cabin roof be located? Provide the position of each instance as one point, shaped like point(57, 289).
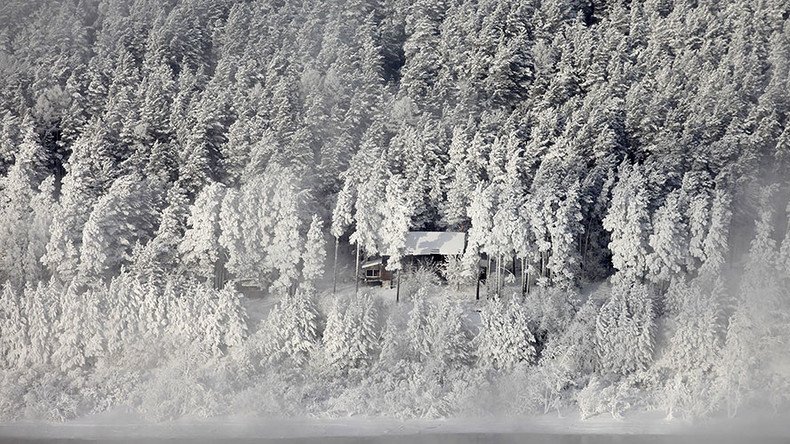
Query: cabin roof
point(434, 242)
point(373, 262)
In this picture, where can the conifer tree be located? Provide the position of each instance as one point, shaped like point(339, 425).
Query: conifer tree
point(396, 210)
point(123, 217)
point(313, 257)
point(200, 248)
point(716, 245)
point(628, 222)
point(624, 329)
point(669, 240)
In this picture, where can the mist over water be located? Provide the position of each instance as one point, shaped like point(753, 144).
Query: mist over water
point(470, 438)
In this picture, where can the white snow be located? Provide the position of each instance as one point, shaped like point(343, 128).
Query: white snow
point(434, 242)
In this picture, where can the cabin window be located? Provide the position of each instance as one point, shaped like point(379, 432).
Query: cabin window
point(373, 272)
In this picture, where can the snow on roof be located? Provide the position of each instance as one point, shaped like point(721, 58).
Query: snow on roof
point(434, 242)
point(372, 262)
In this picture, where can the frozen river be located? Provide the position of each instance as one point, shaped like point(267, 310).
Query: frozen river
point(645, 429)
point(440, 438)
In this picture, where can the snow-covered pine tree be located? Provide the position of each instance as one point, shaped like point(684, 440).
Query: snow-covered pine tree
point(716, 245)
point(504, 339)
point(418, 346)
point(624, 329)
point(565, 231)
point(695, 341)
point(362, 320)
point(481, 213)
point(235, 317)
point(200, 248)
point(446, 336)
point(461, 182)
point(669, 240)
point(628, 221)
point(8, 141)
point(90, 171)
point(699, 220)
point(284, 253)
point(396, 210)
point(69, 349)
point(335, 340)
point(342, 214)
point(19, 250)
point(231, 237)
point(38, 324)
point(14, 343)
point(124, 216)
point(292, 330)
point(351, 336)
point(313, 257)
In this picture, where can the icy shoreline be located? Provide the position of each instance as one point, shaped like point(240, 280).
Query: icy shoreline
point(642, 428)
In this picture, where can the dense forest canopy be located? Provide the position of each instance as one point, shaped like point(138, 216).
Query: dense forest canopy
point(145, 144)
point(532, 117)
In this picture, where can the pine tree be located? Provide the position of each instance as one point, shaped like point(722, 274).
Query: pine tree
point(19, 244)
point(200, 249)
point(628, 222)
point(342, 213)
point(504, 339)
point(447, 338)
point(69, 352)
point(123, 217)
point(624, 329)
point(481, 213)
point(695, 341)
point(8, 141)
point(313, 257)
point(669, 240)
point(90, 170)
point(461, 180)
point(716, 245)
point(292, 328)
point(783, 263)
point(286, 245)
point(699, 220)
point(14, 346)
point(565, 232)
point(39, 324)
point(396, 210)
point(159, 256)
point(334, 340)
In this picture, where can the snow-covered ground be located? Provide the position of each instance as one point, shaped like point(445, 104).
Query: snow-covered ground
point(122, 426)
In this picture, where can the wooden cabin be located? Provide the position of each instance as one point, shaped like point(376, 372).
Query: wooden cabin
point(374, 272)
point(420, 245)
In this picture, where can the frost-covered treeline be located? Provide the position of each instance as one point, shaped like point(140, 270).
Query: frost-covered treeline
point(633, 159)
point(702, 347)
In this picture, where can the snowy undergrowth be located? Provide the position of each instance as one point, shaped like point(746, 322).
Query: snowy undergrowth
point(437, 353)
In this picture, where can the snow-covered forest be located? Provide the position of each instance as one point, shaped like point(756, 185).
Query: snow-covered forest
point(625, 164)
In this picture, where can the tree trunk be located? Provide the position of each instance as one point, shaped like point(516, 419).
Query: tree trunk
point(499, 275)
point(334, 267)
point(356, 273)
point(397, 289)
point(528, 283)
point(514, 265)
point(488, 276)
